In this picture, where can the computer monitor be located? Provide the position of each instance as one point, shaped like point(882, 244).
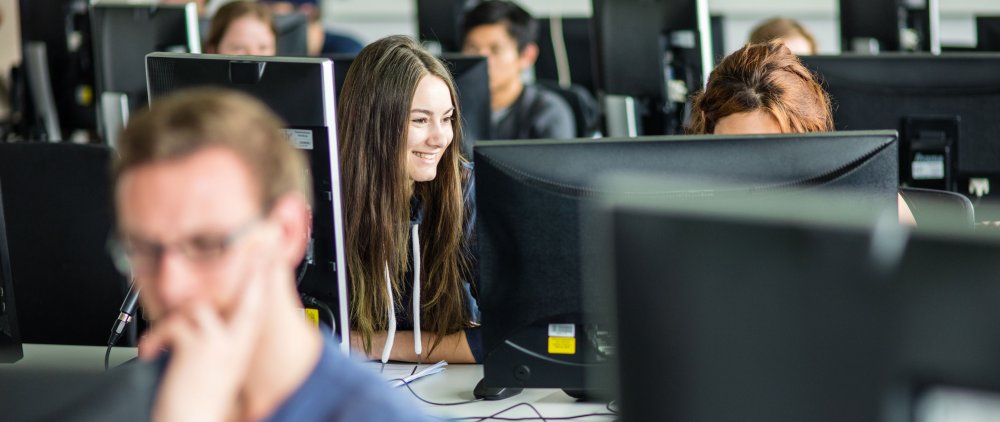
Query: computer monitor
point(718, 24)
point(123, 35)
point(439, 23)
point(41, 111)
point(945, 294)
point(10, 334)
point(472, 81)
point(49, 390)
point(293, 33)
point(666, 40)
point(988, 33)
point(529, 200)
point(874, 26)
point(58, 206)
point(725, 314)
point(943, 106)
point(64, 28)
point(869, 26)
point(720, 313)
point(566, 51)
point(300, 91)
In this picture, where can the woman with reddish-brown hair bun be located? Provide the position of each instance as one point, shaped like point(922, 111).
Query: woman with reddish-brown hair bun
point(764, 88)
point(762, 84)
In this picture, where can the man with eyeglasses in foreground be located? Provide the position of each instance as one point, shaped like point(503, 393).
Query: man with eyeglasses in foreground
point(213, 209)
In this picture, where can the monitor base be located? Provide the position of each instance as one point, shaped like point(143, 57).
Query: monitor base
point(494, 393)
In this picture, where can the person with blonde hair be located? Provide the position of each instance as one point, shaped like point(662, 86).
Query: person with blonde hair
point(242, 28)
point(793, 34)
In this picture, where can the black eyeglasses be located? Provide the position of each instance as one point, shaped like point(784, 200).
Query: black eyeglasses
point(138, 257)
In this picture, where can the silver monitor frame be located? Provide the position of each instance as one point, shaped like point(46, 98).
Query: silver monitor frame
point(328, 122)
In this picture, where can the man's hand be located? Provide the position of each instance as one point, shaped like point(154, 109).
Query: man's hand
point(210, 353)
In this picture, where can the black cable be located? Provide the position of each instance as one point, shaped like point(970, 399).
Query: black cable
point(107, 357)
point(430, 402)
point(615, 411)
point(533, 418)
point(112, 339)
point(311, 302)
point(495, 415)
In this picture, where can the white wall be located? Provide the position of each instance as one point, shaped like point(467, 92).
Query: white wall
point(372, 19)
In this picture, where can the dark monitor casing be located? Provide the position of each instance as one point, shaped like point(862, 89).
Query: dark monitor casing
point(58, 206)
point(10, 334)
point(733, 317)
point(530, 203)
point(943, 106)
point(988, 33)
point(472, 81)
point(578, 41)
point(885, 21)
point(301, 92)
point(728, 318)
point(666, 40)
point(440, 21)
point(293, 34)
point(944, 299)
point(56, 22)
point(877, 20)
point(124, 33)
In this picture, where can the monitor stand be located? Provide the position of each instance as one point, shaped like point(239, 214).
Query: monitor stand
point(10, 350)
point(494, 393)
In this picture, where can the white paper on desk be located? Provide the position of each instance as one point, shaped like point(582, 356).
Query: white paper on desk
point(398, 373)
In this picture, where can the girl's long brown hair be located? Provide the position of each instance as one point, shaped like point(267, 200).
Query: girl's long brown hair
point(765, 77)
point(372, 122)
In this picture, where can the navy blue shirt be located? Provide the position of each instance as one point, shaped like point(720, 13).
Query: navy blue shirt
point(339, 43)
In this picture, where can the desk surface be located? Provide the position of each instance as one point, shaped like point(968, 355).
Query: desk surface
point(453, 385)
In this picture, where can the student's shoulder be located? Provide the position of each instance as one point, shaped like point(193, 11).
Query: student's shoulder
point(550, 100)
point(367, 397)
point(340, 388)
point(335, 42)
point(552, 116)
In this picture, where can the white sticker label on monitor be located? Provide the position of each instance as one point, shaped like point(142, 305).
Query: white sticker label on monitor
point(562, 330)
point(300, 138)
point(927, 166)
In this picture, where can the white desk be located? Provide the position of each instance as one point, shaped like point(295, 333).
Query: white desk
point(456, 383)
point(72, 357)
point(453, 385)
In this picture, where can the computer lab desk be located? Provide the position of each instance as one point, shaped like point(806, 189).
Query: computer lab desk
point(455, 384)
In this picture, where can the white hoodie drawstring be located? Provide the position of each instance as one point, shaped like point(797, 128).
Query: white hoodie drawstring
point(417, 344)
point(391, 335)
